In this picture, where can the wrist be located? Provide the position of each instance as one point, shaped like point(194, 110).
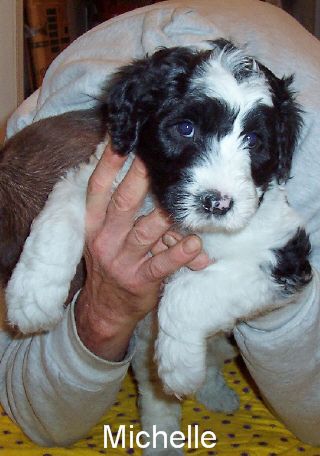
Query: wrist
point(102, 333)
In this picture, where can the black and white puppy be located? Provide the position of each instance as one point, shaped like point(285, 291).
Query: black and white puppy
point(217, 131)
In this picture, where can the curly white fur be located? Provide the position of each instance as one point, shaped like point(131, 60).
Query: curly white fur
point(40, 282)
point(238, 285)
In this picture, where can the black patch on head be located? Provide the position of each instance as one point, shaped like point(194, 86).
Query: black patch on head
point(277, 129)
point(139, 90)
point(174, 155)
point(264, 155)
point(293, 270)
point(147, 99)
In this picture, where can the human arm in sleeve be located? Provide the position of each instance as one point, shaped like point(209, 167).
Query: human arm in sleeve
point(283, 358)
point(50, 379)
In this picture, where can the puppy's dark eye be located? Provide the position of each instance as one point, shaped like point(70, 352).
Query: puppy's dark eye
point(186, 129)
point(251, 140)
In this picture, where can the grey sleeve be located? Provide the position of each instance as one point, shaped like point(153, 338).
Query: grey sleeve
point(284, 360)
point(48, 380)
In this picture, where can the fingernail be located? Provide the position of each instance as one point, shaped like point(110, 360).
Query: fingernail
point(201, 261)
point(204, 259)
point(169, 240)
point(191, 245)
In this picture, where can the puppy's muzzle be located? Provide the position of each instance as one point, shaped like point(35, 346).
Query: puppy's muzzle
point(215, 203)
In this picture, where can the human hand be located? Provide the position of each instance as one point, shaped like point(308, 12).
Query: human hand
point(123, 279)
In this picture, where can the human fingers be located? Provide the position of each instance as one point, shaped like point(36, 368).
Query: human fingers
point(158, 247)
point(171, 238)
point(169, 261)
point(201, 261)
point(126, 201)
point(145, 233)
point(100, 188)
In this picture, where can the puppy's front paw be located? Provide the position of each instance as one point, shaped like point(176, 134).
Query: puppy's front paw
point(181, 366)
point(31, 319)
point(31, 305)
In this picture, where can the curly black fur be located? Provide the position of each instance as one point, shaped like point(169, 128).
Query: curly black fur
point(140, 96)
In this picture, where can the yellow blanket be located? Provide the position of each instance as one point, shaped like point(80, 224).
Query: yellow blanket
point(251, 431)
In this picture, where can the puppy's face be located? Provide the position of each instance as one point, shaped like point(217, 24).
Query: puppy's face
point(213, 127)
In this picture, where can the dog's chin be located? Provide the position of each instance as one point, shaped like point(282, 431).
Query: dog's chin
point(233, 221)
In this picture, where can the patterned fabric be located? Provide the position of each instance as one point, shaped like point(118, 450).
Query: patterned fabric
point(251, 431)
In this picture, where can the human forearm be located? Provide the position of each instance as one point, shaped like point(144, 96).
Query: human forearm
point(48, 380)
point(103, 335)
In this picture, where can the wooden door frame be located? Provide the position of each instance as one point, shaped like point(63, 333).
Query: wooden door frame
point(11, 59)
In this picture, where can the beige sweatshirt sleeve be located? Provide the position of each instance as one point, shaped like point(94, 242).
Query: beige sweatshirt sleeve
point(283, 357)
point(48, 380)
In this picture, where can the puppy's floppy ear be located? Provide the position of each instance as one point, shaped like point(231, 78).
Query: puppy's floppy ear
point(125, 98)
point(289, 124)
point(288, 121)
point(138, 90)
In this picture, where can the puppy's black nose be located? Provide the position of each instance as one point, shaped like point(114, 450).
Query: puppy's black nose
point(215, 203)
